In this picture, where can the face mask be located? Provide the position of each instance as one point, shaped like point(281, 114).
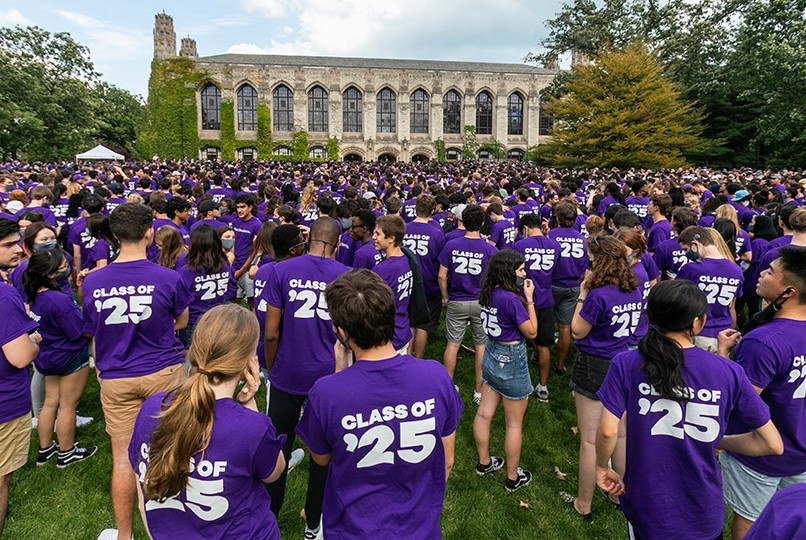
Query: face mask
point(519, 280)
point(692, 255)
point(61, 276)
point(345, 341)
point(346, 223)
point(45, 246)
point(766, 314)
point(228, 243)
point(745, 203)
point(630, 258)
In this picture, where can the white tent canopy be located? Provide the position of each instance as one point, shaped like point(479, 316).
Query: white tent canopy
point(99, 152)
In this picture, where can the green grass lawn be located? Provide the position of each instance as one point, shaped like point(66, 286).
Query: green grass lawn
point(74, 503)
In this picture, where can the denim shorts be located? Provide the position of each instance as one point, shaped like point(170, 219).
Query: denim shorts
point(505, 368)
point(588, 374)
point(746, 491)
point(82, 359)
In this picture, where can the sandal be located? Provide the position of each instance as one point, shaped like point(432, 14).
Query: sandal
point(615, 502)
point(570, 499)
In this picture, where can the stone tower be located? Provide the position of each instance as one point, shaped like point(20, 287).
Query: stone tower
point(580, 59)
point(188, 48)
point(164, 37)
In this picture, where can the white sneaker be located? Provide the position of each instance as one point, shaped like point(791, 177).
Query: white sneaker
point(295, 459)
point(83, 420)
point(315, 534)
point(34, 422)
point(110, 534)
point(477, 398)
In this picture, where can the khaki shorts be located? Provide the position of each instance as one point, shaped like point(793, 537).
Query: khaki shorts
point(121, 399)
point(710, 344)
point(15, 438)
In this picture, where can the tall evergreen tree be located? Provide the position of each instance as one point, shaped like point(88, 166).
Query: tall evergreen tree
point(622, 111)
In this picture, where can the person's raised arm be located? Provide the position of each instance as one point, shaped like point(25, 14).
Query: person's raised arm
point(529, 328)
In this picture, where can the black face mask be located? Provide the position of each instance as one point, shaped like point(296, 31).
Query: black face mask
point(766, 314)
point(345, 341)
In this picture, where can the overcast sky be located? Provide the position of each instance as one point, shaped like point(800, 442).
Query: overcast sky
point(119, 33)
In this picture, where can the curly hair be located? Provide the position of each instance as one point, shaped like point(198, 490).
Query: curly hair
point(500, 273)
point(610, 267)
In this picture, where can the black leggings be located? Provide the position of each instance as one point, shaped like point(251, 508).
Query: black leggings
point(284, 412)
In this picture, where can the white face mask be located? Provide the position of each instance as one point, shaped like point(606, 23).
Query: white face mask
point(745, 203)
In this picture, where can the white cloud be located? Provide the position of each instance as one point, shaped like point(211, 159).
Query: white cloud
point(79, 19)
point(12, 17)
point(269, 8)
point(481, 30)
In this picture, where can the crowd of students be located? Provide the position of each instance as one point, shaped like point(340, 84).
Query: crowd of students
point(186, 284)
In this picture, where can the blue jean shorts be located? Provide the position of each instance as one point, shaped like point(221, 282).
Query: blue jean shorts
point(505, 368)
point(746, 491)
point(82, 359)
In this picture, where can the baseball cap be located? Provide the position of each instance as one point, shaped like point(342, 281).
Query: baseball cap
point(458, 210)
point(740, 195)
point(207, 205)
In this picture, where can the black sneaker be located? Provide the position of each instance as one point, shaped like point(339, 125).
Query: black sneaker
point(524, 477)
point(46, 453)
point(74, 455)
point(494, 464)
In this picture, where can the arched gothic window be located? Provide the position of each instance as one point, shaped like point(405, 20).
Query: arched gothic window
point(211, 107)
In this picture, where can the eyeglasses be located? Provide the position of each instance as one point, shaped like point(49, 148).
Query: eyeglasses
point(357, 226)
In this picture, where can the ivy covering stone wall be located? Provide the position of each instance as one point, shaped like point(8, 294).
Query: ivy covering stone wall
point(170, 129)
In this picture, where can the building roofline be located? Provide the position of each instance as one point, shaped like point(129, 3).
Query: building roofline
point(372, 63)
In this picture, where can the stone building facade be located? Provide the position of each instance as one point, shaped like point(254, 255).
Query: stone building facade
point(377, 109)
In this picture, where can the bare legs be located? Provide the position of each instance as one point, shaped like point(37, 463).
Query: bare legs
point(589, 413)
point(61, 397)
point(124, 488)
point(514, 411)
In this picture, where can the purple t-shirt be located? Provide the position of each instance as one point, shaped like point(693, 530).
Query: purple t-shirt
point(503, 234)
point(742, 242)
point(669, 258)
point(573, 260)
point(61, 328)
point(305, 349)
point(783, 518)
point(541, 255)
point(100, 251)
point(129, 308)
point(638, 205)
point(454, 234)
point(15, 383)
point(80, 236)
point(382, 423)
point(245, 233)
point(225, 496)
point(721, 280)
point(47, 215)
point(466, 259)
point(614, 315)
point(503, 316)
point(426, 241)
point(659, 233)
point(521, 210)
point(673, 484)
point(260, 280)
point(209, 290)
point(706, 221)
point(774, 358)
point(781, 241)
point(396, 272)
point(365, 255)
point(409, 210)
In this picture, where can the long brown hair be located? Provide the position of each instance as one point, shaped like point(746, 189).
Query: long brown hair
point(610, 266)
point(172, 246)
point(187, 422)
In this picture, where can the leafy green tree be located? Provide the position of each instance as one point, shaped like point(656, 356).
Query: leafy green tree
point(623, 112)
point(52, 103)
point(299, 146)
